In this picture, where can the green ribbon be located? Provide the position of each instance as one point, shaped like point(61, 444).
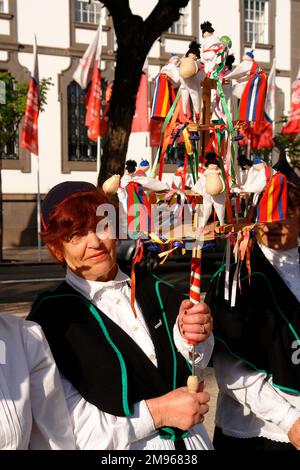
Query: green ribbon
point(222, 96)
point(190, 159)
point(155, 162)
point(227, 114)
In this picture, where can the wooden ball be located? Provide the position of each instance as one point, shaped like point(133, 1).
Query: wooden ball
point(111, 185)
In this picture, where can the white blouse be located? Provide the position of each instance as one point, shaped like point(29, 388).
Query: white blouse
point(95, 429)
point(248, 405)
point(33, 411)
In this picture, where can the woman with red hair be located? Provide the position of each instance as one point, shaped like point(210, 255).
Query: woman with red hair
point(124, 369)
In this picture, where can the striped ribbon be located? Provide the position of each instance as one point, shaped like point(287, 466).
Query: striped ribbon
point(162, 97)
point(166, 138)
point(253, 98)
point(138, 209)
point(167, 120)
point(137, 257)
point(272, 206)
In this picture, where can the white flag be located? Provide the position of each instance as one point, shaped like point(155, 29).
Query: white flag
point(84, 71)
point(270, 97)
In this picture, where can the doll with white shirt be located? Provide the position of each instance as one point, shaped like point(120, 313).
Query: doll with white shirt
point(191, 75)
point(211, 186)
point(241, 74)
point(213, 50)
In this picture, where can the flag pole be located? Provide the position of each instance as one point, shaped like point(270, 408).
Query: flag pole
point(274, 116)
point(98, 155)
point(38, 212)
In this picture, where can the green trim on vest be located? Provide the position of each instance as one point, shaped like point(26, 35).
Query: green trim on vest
point(276, 305)
point(272, 293)
point(96, 315)
point(121, 360)
point(159, 299)
point(171, 434)
point(285, 389)
point(168, 331)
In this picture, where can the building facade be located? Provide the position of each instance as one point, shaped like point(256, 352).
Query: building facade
point(63, 29)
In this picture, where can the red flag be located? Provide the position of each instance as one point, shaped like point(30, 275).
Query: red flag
point(140, 122)
point(92, 118)
point(88, 76)
point(262, 135)
point(293, 125)
point(29, 138)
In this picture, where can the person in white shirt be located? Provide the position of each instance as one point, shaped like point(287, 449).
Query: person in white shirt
point(257, 358)
point(33, 410)
point(124, 365)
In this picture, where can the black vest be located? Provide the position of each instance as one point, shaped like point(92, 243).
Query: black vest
point(264, 327)
point(102, 362)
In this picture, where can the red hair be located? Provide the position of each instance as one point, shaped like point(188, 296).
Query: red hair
point(76, 213)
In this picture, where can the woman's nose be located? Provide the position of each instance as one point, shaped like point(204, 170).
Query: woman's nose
point(93, 240)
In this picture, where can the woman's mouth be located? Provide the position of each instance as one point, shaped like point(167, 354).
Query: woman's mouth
point(100, 255)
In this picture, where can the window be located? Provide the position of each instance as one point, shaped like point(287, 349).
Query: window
point(80, 147)
point(180, 26)
point(11, 148)
point(87, 12)
point(256, 21)
point(4, 6)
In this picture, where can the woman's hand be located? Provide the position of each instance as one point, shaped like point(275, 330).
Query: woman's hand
point(195, 321)
point(179, 408)
point(294, 434)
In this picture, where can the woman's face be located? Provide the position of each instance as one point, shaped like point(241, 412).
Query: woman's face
point(281, 235)
point(90, 256)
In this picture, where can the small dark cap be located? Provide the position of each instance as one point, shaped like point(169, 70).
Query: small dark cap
point(211, 158)
point(60, 193)
point(243, 161)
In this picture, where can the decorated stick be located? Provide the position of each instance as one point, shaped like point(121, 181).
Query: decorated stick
point(195, 289)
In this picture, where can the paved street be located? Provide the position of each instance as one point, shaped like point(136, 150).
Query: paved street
point(22, 278)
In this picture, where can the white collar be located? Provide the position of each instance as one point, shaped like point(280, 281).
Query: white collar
point(281, 258)
point(90, 288)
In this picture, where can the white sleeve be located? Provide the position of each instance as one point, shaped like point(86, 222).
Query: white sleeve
point(151, 184)
point(97, 430)
point(199, 186)
point(253, 390)
point(203, 350)
point(256, 182)
point(242, 70)
point(51, 428)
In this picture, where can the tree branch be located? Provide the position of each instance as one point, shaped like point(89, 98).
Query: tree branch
point(117, 7)
point(164, 14)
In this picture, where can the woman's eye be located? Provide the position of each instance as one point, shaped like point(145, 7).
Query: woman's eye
point(75, 236)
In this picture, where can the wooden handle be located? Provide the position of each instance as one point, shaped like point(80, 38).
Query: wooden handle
point(192, 383)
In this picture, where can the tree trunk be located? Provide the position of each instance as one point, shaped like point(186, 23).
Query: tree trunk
point(135, 38)
point(131, 56)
